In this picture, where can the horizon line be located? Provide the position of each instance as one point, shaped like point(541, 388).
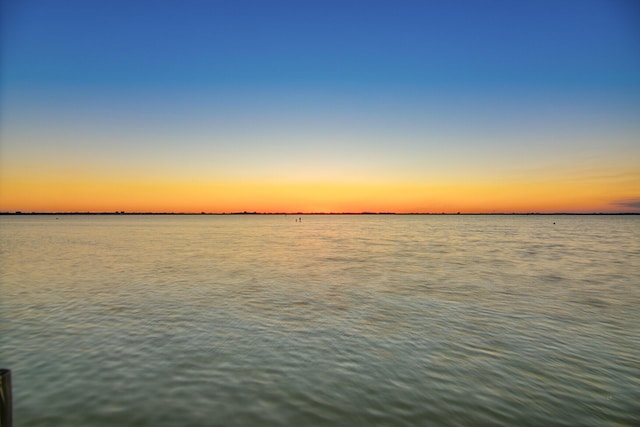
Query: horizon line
point(16, 213)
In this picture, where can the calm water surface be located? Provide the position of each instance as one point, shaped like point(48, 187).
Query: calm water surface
point(335, 320)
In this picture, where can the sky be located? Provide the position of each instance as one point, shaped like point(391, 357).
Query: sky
point(320, 106)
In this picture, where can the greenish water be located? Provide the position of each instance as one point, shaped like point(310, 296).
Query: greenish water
point(335, 320)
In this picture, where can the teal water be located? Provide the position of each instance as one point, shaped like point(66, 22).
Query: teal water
point(335, 320)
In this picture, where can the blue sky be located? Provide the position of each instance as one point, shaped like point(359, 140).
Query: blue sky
point(394, 92)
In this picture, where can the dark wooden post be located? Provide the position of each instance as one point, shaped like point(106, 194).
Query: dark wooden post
point(6, 415)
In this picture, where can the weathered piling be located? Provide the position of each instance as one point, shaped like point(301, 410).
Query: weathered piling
point(6, 409)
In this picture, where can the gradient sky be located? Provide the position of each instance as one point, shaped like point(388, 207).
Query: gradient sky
point(272, 106)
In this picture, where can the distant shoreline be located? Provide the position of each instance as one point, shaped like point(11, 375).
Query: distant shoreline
point(121, 213)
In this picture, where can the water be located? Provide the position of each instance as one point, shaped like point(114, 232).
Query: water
point(335, 320)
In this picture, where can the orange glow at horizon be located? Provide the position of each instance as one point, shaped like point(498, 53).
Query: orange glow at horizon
point(36, 194)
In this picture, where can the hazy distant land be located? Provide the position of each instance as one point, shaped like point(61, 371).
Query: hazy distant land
point(316, 213)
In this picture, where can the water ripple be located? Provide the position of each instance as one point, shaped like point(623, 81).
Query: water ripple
point(200, 321)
